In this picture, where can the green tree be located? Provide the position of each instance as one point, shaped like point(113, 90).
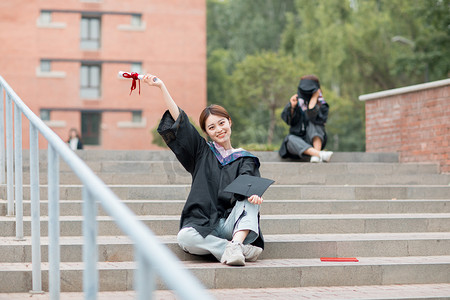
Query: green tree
point(354, 46)
point(424, 50)
point(266, 82)
point(246, 27)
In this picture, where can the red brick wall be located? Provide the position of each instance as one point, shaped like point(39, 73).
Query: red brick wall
point(413, 121)
point(172, 45)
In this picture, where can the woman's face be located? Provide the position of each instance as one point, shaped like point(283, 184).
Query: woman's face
point(73, 133)
point(218, 129)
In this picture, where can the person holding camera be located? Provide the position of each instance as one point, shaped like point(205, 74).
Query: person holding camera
point(306, 114)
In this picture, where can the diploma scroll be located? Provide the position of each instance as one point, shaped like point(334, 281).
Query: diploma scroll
point(135, 76)
point(123, 74)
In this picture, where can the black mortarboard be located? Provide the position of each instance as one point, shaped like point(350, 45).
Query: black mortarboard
point(247, 185)
point(306, 88)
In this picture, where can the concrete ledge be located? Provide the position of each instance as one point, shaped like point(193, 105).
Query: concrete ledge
point(276, 273)
point(367, 292)
point(279, 246)
point(404, 90)
point(270, 224)
point(273, 207)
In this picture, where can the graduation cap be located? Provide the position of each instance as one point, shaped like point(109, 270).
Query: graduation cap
point(247, 185)
point(306, 88)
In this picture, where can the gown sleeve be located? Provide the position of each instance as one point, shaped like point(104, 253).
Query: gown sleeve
point(182, 138)
point(319, 114)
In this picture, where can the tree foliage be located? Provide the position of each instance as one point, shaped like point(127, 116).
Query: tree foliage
point(258, 49)
point(263, 83)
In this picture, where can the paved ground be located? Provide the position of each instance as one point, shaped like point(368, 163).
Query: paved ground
point(419, 291)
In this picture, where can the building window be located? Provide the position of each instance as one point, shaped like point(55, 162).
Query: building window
point(136, 67)
point(45, 17)
point(136, 21)
point(44, 70)
point(137, 116)
point(90, 127)
point(45, 114)
point(136, 24)
point(90, 33)
point(46, 66)
point(45, 20)
point(90, 81)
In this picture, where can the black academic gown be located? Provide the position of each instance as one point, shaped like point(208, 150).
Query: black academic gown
point(298, 122)
point(207, 203)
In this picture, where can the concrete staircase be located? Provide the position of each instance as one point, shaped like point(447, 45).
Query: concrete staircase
point(395, 218)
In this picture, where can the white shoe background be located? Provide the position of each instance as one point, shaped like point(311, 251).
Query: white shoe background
point(315, 159)
point(325, 156)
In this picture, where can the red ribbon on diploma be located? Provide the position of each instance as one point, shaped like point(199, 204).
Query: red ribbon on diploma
point(134, 76)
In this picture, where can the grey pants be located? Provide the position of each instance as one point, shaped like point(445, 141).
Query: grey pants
point(244, 216)
point(297, 145)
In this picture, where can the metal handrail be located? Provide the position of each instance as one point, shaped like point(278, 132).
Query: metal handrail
point(153, 258)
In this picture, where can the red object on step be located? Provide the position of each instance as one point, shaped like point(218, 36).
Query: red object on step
point(339, 259)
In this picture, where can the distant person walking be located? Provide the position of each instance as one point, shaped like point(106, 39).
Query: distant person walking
point(306, 114)
point(74, 140)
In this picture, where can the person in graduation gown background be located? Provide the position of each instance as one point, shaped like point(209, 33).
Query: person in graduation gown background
point(215, 222)
point(306, 114)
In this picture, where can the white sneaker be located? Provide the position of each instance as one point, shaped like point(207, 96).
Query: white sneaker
point(325, 156)
point(251, 252)
point(233, 255)
point(315, 159)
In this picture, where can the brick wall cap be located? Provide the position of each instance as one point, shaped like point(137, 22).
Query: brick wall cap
point(404, 90)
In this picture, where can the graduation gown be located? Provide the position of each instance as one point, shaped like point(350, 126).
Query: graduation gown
point(297, 122)
point(207, 203)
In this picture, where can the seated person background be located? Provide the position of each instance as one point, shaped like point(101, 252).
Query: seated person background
point(306, 114)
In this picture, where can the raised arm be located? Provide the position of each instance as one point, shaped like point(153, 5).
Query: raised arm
point(152, 80)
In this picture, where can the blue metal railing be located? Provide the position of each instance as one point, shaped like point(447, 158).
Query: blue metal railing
point(153, 259)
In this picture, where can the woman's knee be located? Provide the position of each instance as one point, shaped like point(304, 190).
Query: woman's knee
point(188, 237)
point(191, 241)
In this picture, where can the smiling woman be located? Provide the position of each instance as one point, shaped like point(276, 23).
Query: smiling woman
point(216, 123)
point(213, 221)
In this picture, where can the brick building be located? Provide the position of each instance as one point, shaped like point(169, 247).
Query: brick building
point(62, 59)
point(413, 121)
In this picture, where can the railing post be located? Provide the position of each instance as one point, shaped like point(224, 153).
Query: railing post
point(144, 276)
point(53, 224)
point(19, 171)
point(9, 156)
point(35, 211)
point(2, 137)
point(90, 249)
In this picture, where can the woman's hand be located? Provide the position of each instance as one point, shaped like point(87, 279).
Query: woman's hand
point(314, 100)
point(255, 199)
point(294, 101)
point(152, 80)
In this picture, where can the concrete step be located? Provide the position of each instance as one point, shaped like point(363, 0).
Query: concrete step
point(437, 291)
point(174, 207)
point(287, 192)
point(158, 155)
point(267, 273)
point(293, 168)
point(270, 224)
point(287, 177)
point(278, 246)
